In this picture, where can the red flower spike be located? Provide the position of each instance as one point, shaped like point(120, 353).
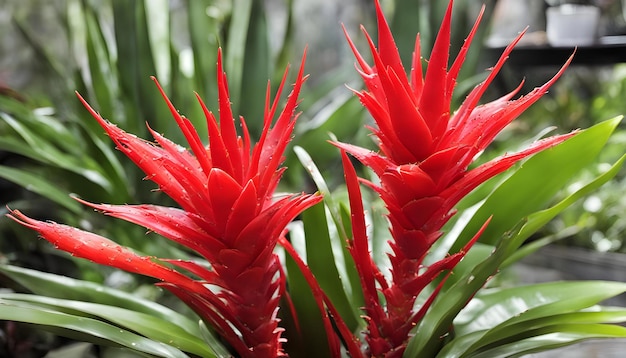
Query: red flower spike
point(228, 215)
point(422, 164)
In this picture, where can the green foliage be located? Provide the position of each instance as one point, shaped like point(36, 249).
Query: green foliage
point(506, 235)
point(542, 328)
point(102, 315)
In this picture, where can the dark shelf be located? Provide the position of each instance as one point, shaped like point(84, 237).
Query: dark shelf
point(608, 51)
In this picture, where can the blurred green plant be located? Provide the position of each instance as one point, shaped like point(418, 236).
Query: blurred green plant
point(113, 49)
point(582, 99)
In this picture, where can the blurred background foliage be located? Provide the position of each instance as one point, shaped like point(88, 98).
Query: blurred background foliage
point(107, 51)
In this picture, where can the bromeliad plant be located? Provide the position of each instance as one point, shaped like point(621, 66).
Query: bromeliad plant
point(422, 166)
point(324, 297)
point(228, 215)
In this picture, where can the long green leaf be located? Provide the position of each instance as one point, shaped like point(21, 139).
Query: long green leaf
point(553, 337)
point(256, 71)
point(41, 186)
point(495, 306)
point(234, 55)
point(341, 217)
point(532, 223)
point(465, 344)
point(308, 333)
point(204, 21)
point(321, 261)
point(147, 325)
point(537, 220)
point(45, 284)
point(24, 312)
point(536, 182)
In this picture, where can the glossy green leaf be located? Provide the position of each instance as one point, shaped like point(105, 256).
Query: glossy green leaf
point(536, 182)
point(537, 220)
point(157, 329)
point(234, 55)
point(256, 71)
point(45, 284)
point(209, 336)
point(35, 183)
point(204, 20)
point(532, 223)
point(101, 71)
point(553, 337)
point(159, 36)
point(310, 334)
point(340, 215)
point(24, 312)
point(495, 306)
point(465, 344)
point(321, 261)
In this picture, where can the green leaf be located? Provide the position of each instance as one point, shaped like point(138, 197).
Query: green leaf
point(157, 329)
point(158, 14)
point(321, 260)
point(35, 183)
point(537, 220)
point(23, 312)
point(101, 69)
point(204, 20)
point(234, 55)
point(340, 215)
point(311, 336)
point(256, 70)
point(494, 306)
point(45, 284)
point(533, 185)
point(498, 315)
point(553, 337)
point(466, 344)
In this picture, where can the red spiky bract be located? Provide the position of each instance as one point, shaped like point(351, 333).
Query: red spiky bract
point(425, 153)
point(228, 215)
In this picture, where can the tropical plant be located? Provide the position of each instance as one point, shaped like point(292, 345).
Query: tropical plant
point(112, 48)
point(387, 273)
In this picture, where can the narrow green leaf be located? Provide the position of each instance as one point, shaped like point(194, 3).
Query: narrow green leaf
point(435, 325)
point(234, 54)
point(539, 219)
point(256, 70)
point(21, 312)
point(494, 306)
point(465, 344)
point(310, 337)
point(157, 329)
point(553, 337)
point(158, 24)
point(321, 261)
point(45, 284)
point(536, 182)
point(35, 183)
point(340, 215)
point(204, 20)
point(101, 68)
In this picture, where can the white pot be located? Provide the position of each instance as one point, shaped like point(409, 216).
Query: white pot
point(572, 25)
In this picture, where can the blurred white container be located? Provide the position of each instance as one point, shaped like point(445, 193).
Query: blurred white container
point(572, 25)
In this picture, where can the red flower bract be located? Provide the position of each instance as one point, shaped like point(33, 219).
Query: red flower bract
point(425, 153)
point(228, 215)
